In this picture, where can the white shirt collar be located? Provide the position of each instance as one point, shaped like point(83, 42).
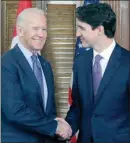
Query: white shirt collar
point(107, 52)
point(25, 51)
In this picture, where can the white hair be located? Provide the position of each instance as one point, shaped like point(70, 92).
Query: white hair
point(24, 13)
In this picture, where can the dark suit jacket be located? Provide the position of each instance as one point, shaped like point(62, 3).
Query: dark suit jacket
point(107, 119)
point(23, 116)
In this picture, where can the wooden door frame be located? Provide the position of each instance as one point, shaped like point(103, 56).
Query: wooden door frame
point(3, 25)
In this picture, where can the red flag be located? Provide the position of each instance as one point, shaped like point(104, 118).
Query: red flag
point(23, 4)
point(70, 91)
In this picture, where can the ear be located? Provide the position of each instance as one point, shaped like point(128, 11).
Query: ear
point(20, 30)
point(100, 30)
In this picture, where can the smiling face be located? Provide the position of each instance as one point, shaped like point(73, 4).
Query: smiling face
point(88, 36)
point(33, 33)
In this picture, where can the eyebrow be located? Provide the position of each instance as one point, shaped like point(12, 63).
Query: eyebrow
point(81, 27)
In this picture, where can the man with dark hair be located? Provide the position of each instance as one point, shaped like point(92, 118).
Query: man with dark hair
point(101, 80)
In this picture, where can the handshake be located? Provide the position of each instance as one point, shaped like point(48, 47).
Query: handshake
point(63, 131)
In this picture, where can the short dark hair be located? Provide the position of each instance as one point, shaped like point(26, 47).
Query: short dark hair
point(96, 15)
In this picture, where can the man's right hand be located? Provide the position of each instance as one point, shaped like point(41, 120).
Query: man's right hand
point(63, 129)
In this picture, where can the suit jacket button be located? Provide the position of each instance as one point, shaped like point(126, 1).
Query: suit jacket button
point(93, 116)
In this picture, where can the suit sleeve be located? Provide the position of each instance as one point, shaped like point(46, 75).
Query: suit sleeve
point(15, 109)
point(73, 115)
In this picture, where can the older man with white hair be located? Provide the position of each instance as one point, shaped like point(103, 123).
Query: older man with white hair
point(28, 104)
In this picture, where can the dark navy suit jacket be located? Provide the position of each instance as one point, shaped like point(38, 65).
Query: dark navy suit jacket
point(107, 119)
point(23, 116)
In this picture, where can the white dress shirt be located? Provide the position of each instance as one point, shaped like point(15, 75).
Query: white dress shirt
point(106, 56)
point(28, 55)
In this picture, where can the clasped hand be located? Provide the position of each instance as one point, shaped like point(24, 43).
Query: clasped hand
point(63, 129)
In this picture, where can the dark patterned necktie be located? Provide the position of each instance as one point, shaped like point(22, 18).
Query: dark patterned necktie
point(97, 73)
point(38, 73)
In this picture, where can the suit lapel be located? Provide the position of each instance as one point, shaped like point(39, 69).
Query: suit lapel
point(23, 63)
point(110, 71)
point(88, 72)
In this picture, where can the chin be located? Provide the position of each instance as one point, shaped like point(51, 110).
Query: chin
point(86, 46)
point(37, 47)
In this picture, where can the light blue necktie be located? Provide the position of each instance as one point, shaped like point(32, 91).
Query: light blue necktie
point(97, 73)
point(38, 73)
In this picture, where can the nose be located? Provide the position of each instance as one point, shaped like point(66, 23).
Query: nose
point(78, 33)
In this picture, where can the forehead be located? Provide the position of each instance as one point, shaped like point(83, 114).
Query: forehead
point(36, 18)
point(82, 24)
